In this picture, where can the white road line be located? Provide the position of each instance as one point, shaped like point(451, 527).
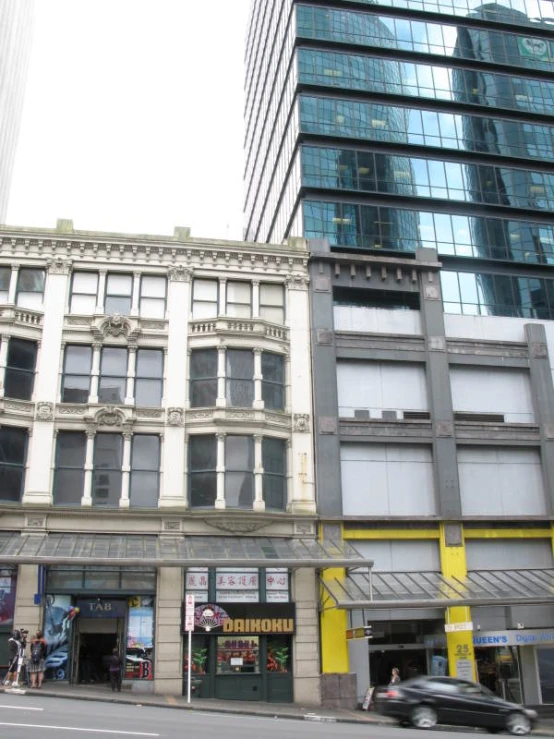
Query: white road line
point(77, 728)
point(22, 708)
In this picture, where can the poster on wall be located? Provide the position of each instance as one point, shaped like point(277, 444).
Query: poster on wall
point(59, 614)
point(7, 596)
point(140, 638)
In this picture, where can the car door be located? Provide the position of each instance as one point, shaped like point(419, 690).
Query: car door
point(482, 708)
point(447, 699)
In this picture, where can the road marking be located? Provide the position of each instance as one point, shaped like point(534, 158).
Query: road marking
point(22, 708)
point(77, 728)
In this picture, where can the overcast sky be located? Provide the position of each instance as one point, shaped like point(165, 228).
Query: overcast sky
point(133, 117)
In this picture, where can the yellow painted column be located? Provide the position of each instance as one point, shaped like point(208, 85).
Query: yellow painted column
point(552, 535)
point(459, 644)
point(334, 647)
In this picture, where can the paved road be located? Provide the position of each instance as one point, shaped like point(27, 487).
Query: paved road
point(26, 717)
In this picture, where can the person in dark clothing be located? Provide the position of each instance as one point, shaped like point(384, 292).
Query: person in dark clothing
point(37, 660)
point(16, 649)
point(115, 670)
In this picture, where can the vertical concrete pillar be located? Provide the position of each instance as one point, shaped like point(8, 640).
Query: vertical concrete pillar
point(168, 669)
point(306, 682)
point(439, 391)
point(27, 615)
point(542, 392)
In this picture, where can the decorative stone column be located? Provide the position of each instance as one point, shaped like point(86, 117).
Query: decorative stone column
point(100, 298)
point(221, 400)
point(258, 377)
point(255, 299)
point(168, 669)
point(259, 503)
point(222, 307)
point(95, 372)
point(3, 361)
point(124, 501)
point(131, 374)
point(86, 500)
point(12, 291)
point(220, 471)
point(135, 302)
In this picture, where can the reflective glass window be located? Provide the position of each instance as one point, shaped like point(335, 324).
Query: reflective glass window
point(239, 299)
point(240, 377)
point(149, 377)
point(205, 298)
point(113, 375)
point(152, 296)
point(30, 288)
point(69, 476)
point(272, 302)
point(5, 276)
point(202, 471)
point(84, 289)
point(76, 374)
point(274, 462)
point(13, 451)
point(239, 471)
point(119, 292)
point(145, 471)
point(273, 381)
point(19, 377)
point(106, 475)
point(203, 378)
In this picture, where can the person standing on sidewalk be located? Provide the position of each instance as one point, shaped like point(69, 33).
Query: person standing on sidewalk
point(37, 660)
point(115, 670)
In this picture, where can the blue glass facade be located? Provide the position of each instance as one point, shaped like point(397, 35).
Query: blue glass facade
point(404, 123)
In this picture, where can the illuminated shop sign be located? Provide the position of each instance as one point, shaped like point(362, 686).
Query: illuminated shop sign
point(245, 618)
point(506, 638)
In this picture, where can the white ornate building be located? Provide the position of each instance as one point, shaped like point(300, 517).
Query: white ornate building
point(156, 391)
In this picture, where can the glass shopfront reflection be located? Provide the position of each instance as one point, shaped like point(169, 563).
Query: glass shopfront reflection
point(545, 661)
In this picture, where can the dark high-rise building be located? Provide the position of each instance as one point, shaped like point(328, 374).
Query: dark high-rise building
point(412, 143)
point(15, 39)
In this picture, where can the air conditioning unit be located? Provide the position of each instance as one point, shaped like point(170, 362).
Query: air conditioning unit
point(362, 414)
point(390, 415)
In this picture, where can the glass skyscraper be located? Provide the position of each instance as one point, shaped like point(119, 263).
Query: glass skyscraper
point(404, 123)
point(16, 20)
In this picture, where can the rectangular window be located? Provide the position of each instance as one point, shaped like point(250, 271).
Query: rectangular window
point(113, 376)
point(274, 462)
point(76, 374)
point(30, 288)
point(145, 471)
point(239, 472)
point(272, 303)
point(20, 369)
point(84, 290)
point(152, 296)
point(238, 656)
point(119, 293)
point(69, 478)
point(203, 378)
point(106, 475)
point(202, 466)
point(273, 381)
point(149, 377)
point(5, 276)
point(13, 450)
point(239, 299)
point(205, 298)
point(240, 377)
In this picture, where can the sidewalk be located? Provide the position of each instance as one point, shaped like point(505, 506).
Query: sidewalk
point(248, 708)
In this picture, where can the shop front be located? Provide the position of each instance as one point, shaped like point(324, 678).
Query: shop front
point(242, 651)
point(105, 610)
point(8, 582)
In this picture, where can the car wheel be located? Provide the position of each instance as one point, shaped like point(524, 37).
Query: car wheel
point(518, 723)
point(423, 717)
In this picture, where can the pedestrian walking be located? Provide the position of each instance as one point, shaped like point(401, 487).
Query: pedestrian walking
point(395, 676)
point(37, 660)
point(115, 670)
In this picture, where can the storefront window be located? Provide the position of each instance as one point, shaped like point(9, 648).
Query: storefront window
point(140, 638)
point(545, 660)
point(278, 654)
point(238, 585)
point(59, 615)
point(238, 655)
point(7, 596)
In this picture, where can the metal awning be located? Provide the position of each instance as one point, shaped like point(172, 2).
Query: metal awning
point(380, 590)
point(175, 551)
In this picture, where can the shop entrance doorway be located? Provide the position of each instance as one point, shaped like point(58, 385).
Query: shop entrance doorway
point(94, 640)
point(410, 662)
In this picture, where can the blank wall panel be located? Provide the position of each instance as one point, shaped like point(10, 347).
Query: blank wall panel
point(387, 480)
point(377, 320)
point(501, 482)
point(378, 386)
point(508, 554)
point(401, 556)
point(480, 390)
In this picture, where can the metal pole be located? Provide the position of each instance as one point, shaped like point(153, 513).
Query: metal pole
point(190, 666)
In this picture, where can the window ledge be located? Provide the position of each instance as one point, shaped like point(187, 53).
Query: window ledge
point(235, 416)
point(243, 326)
point(12, 315)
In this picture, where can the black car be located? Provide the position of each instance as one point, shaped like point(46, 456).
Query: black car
point(426, 701)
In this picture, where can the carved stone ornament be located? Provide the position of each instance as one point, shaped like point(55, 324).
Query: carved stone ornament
point(116, 325)
point(59, 265)
point(301, 423)
point(175, 416)
point(179, 273)
point(111, 416)
point(297, 281)
point(236, 525)
point(44, 411)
